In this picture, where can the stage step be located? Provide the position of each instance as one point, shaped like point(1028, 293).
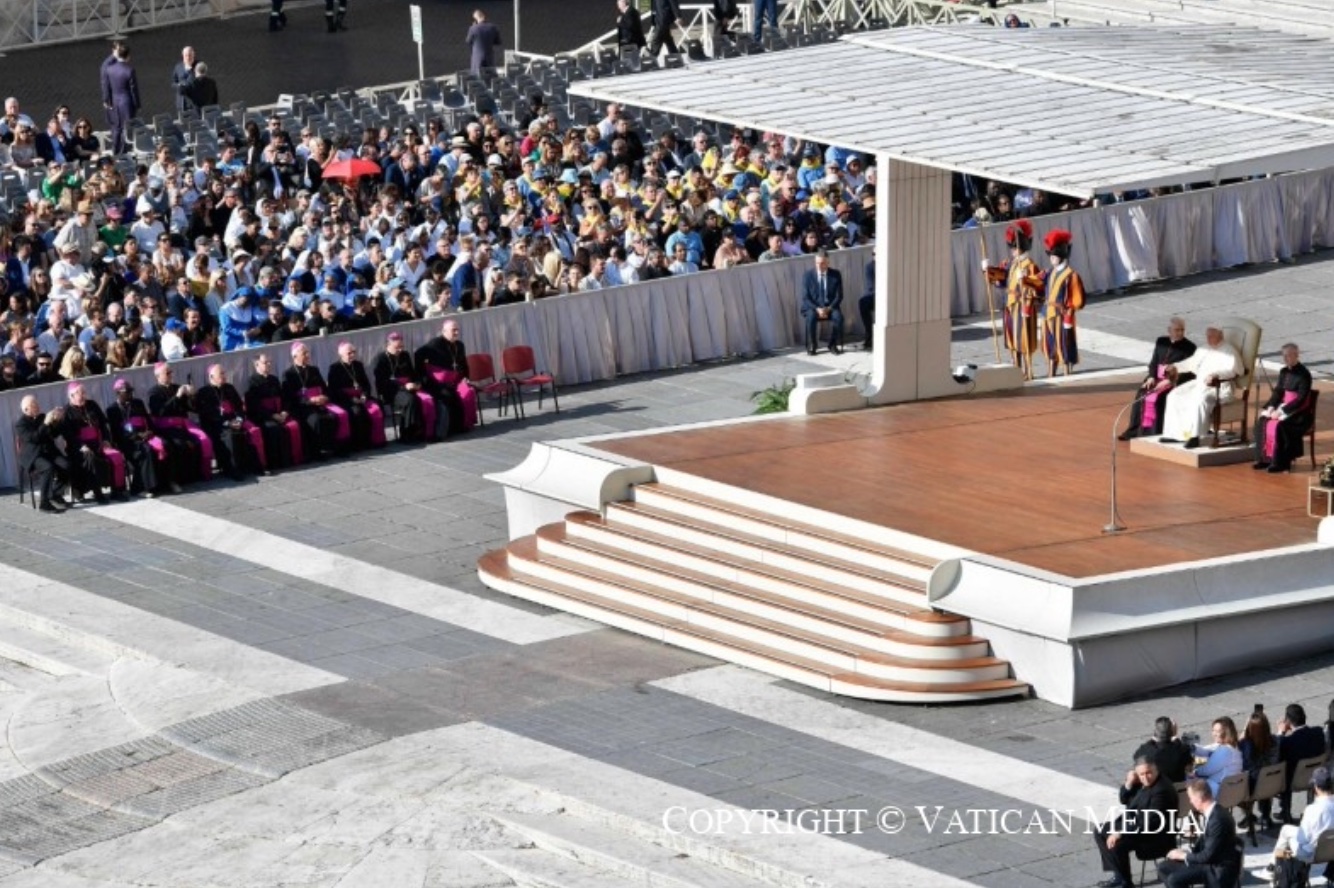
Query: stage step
point(496, 571)
point(795, 535)
point(815, 606)
point(724, 541)
point(889, 634)
point(888, 599)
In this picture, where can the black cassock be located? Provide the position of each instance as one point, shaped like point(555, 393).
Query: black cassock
point(84, 429)
point(221, 415)
point(350, 389)
point(441, 354)
point(1165, 352)
point(131, 432)
point(1292, 392)
point(392, 373)
point(184, 449)
point(319, 427)
point(263, 400)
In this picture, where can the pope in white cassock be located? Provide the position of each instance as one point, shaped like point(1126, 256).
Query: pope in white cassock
point(1190, 407)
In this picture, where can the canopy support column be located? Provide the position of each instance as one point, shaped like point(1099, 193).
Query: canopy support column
point(913, 270)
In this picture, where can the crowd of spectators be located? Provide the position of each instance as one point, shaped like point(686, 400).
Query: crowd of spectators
point(1151, 822)
point(267, 241)
point(269, 238)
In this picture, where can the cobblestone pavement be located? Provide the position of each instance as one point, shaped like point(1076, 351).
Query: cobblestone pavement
point(300, 681)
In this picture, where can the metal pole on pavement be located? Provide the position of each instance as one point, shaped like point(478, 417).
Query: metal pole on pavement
point(516, 25)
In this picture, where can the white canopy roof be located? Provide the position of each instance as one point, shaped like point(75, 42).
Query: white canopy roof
point(1069, 110)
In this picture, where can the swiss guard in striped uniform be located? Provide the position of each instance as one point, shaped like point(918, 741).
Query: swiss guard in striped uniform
point(1023, 292)
point(1065, 296)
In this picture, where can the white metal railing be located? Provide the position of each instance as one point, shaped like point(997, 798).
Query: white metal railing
point(26, 23)
point(698, 22)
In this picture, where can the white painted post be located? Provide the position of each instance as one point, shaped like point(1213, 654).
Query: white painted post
point(416, 13)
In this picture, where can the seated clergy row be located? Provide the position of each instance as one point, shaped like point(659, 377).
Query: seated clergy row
point(181, 432)
point(1184, 382)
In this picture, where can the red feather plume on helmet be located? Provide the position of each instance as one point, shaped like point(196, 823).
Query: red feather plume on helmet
point(1023, 228)
point(1057, 238)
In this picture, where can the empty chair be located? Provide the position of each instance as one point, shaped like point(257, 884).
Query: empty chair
point(520, 367)
point(482, 377)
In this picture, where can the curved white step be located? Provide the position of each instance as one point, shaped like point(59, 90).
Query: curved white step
point(803, 537)
point(724, 540)
point(733, 566)
point(891, 634)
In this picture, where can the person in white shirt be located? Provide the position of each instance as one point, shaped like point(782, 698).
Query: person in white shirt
point(1224, 755)
point(1300, 841)
point(146, 229)
point(68, 267)
point(680, 264)
point(172, 346)
point(597, 275)
point(413, 267)
point(1191, 406)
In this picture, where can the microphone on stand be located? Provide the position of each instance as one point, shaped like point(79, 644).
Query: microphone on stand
point(1114, 525)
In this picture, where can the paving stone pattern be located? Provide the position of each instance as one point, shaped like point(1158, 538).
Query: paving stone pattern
point(91, 798)
point(289, 616)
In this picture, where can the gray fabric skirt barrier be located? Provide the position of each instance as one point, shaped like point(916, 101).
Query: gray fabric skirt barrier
point(668, 323)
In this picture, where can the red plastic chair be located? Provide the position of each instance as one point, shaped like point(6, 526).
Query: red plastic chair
point(482, 376)
point(521, 371)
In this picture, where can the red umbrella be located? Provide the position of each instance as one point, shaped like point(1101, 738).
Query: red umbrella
point(351, 169)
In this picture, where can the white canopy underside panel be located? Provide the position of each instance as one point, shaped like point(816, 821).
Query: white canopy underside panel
point(1070, 110)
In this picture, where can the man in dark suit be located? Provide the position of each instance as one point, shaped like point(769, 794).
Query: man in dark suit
point(183, 81)
point(1296, 741)
point(1146, 825)
point(1146, 416)
point(36, 433)
point(1214, 860)
point(629, 26)
point(120, 93)
point(822, 300)
point(665, 15)
point(1170, 755)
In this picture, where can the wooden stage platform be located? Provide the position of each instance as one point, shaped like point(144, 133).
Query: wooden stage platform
point(1020, 475)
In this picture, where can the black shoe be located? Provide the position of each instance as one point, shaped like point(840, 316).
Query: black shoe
point(1192, 444)
point(1260, 466)
point(120, 496)
point(282, 20)
point(1246, 822)
point(61, 502)
point(102, 498)
point(273, 24)
point(866, 345)
point(811, 351)
point(1128, 434)
point(1277, 469)
point(836, 349)
point(1113, 882)
point(51, 508)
